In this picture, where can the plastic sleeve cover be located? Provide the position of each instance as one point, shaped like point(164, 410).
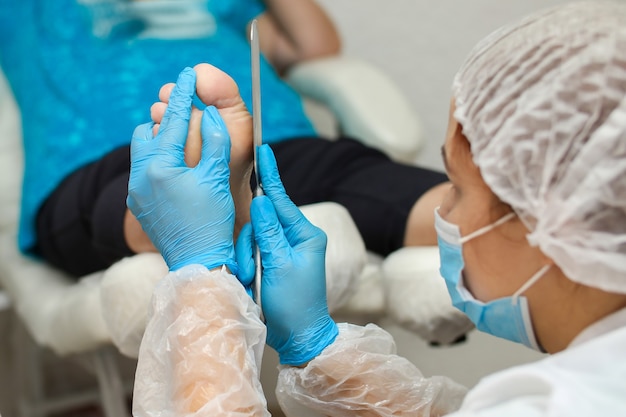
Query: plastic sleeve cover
point(202, 349)
point(360, 374)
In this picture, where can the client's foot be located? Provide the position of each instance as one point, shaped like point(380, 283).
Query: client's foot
point(214, 87)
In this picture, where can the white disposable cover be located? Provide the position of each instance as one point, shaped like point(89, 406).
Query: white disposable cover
point(361, 375)
point(202, 349)
point(543, 104)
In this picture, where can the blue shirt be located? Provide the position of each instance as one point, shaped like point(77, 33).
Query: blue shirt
point(85, 74)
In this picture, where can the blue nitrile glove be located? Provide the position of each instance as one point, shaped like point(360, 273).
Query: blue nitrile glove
point(188, 213)
point(244, 251)
point(293, 289)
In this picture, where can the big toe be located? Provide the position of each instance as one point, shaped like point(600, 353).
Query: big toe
point(215, 87)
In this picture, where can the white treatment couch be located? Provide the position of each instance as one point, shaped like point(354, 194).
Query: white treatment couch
point(108, 308)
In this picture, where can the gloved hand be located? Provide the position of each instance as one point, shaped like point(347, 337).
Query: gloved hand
point(188, 213)
point(293, 289)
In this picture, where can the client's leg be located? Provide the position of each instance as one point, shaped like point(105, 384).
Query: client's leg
point(79, 226)
point(420, 226)
point(391, 204)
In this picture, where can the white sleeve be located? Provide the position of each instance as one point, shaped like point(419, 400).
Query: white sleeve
point(202, 348)
point(360, 374)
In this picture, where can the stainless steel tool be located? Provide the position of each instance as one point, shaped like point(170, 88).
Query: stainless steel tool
point(257, 141)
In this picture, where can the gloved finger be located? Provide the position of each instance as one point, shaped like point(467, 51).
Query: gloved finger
point(269, 234)
point(287, 211)
point(215, 141)
point(179, 103)
point(142, 148)
point(142, 143)
point(295, 224)
point(244, 253)
point(175, 123)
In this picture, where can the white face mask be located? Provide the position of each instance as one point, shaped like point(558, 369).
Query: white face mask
point(508, 317)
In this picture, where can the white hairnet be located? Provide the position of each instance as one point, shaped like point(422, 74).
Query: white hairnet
point(543, 105)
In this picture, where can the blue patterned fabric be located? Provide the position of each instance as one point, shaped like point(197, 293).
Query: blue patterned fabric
point(84, 75)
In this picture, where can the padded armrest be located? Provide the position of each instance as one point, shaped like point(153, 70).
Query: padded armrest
point(367, 104)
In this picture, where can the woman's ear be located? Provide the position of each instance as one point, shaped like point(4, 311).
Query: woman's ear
point(459, 145)
point(461, 149)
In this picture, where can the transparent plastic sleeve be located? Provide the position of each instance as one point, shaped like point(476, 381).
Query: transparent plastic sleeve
point(202, 349)
point(360, 374)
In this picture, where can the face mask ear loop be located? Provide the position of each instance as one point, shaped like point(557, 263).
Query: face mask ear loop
point(530, 282)
point(487, 228)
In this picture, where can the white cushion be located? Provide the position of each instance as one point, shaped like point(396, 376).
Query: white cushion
point(368, 106)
